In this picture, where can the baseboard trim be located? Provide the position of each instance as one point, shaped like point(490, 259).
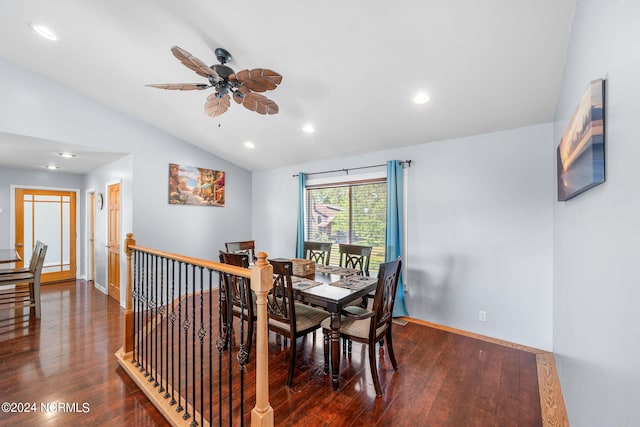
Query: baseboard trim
point(553, 410)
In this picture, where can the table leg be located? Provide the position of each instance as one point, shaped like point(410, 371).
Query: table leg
point(335, 350)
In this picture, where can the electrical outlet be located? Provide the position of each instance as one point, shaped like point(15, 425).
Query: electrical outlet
point(482, 316)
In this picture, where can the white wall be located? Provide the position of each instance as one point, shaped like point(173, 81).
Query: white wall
point(597, 285)
point(480, 229)
point(32, 105)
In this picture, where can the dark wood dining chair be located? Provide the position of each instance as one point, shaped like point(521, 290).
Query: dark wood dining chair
point(288, 317)
point(319, 252)
point(358, 257)
point(370, 327)
point(237, 296)
point(245, 247)
point(355, 256)
point(27, 285)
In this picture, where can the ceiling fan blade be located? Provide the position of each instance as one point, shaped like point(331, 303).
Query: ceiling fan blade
point(258, 79)
point(216, 106)
point(180, 86)
point(193, 63)
point(260, 104)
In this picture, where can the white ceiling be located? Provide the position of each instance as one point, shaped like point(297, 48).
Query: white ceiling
point(349, 67)
point(36, 153)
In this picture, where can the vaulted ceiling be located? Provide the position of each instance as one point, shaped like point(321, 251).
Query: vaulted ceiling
point(350, 67)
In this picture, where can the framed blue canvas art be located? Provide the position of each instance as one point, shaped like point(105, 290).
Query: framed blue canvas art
point(580, 154)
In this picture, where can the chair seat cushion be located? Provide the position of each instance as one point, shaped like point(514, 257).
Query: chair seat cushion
point(354, 328)
point(307, 317)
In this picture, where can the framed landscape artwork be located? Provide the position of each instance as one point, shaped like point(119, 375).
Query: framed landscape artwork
point(580, 154)
point(190, 185)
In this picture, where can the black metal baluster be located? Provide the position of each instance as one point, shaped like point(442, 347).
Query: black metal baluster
point(202, 332)
point(159, 324)
point(242, 353)
point(151, 330)
point(172, 317)
point(157, 321)
point(179, 408)
point(194, 423)
point(166, 347)
point(134, 306)
point(142, 313)
point(185, 326)
point(221, 341)
point(230, 343)
point(211, 344)
point(147, 320)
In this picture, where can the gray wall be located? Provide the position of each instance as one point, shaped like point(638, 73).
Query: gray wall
point(479, 224)
point(32, 105)
point(596, 292)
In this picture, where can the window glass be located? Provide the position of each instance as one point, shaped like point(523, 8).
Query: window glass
point(353, 213)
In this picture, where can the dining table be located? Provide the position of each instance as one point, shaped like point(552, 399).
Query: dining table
point(332, 288)
point(9, 255)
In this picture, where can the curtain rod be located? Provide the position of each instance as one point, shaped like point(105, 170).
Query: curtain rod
point(346, 170)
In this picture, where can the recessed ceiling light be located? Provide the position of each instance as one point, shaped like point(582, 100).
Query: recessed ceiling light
point(52, 167)
point(250, 145)
point(43, 31)
point(420, 98)
point(308, 128)
point(67, 155)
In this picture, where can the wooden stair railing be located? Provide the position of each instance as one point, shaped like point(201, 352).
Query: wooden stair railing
point(155, 318)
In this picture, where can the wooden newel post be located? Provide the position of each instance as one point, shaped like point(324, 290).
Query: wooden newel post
point(261, 283)
point(128, 310)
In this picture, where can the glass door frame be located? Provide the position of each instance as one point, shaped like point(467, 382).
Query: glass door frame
point(74, 242)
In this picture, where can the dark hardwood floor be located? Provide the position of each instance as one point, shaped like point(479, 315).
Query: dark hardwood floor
point(444, 378)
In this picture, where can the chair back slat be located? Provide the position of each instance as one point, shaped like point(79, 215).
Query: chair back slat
point(385, 296)
point(319, 252)
point(355, 256)
point(237, 288)
point(245, 247)
point(35, 256)
point(280, 302)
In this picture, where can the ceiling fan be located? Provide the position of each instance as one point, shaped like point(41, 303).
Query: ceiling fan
point(242, 86)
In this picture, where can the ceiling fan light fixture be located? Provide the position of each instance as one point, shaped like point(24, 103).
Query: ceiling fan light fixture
point(308, 128)
point(52, 167)
point(67, 155)
point(44, 31)
point(420, 98)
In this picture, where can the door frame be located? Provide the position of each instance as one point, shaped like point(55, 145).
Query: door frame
point(12, 214)
point(106, 239)
point(89, 212)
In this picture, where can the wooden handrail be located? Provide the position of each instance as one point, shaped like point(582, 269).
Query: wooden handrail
point(225, 268)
